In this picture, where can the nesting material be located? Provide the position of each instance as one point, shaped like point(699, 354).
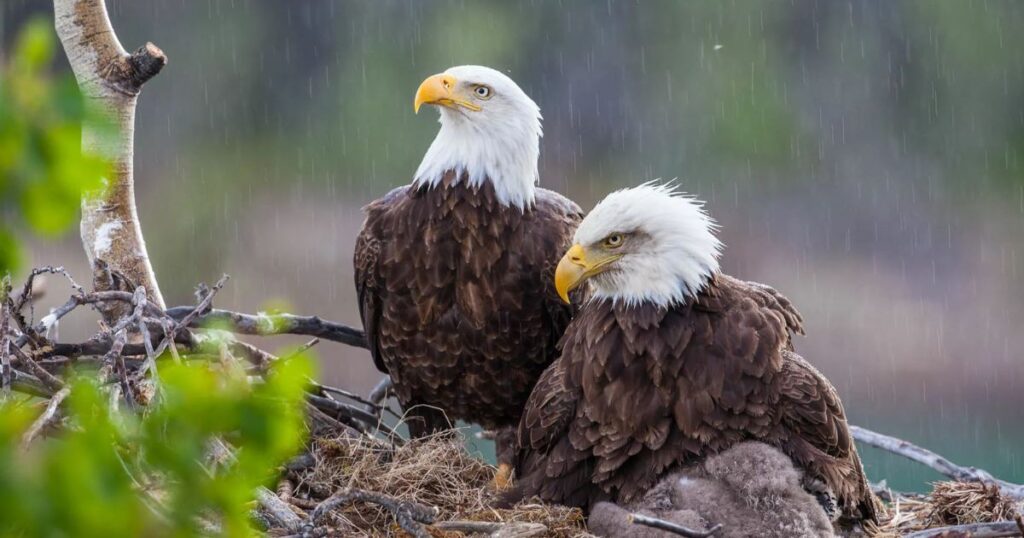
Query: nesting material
point(949, 503)
point(434, 471)
point(438, 472)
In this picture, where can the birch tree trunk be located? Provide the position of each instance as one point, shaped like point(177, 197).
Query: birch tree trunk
point(110, 79)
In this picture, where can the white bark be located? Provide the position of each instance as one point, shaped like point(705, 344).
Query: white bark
point(111, 79)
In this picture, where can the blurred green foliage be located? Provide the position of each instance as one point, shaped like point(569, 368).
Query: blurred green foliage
point(43, 171)
point(117, 473)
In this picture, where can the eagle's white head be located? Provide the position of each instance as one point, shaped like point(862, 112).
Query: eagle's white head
point(490, 129)
point(647, 244)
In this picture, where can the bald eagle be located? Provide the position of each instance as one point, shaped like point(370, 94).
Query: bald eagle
point(454, 271)
point(670, 360)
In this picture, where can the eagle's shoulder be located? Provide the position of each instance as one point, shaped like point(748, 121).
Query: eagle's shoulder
point(386, 204)
point(553, 203)
point(757, 303)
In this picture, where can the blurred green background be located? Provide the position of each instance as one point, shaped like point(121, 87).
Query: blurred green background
point(865, 158)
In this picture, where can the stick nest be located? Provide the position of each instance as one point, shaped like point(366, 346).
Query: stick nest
point(949, 503)
point(434, 471)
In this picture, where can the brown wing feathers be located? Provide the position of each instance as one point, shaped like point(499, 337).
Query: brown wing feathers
point(641, 390)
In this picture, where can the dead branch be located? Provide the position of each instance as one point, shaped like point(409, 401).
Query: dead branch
point(48, 416)
point(974, 530)
point(270, 324)
point(381, 390)
point(935, 461)
point(668, 526)
point(28, 384)
point(204, 303)
point(278, 509)
point(352, 416)
point(80, 299)
point(494, 529)
point(410, 515)
point(111, 78)
point(45, 377)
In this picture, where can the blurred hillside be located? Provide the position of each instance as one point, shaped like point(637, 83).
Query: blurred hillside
point(866, 158)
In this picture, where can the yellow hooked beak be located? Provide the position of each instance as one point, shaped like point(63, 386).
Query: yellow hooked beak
point(577, 266)
point(442, 89)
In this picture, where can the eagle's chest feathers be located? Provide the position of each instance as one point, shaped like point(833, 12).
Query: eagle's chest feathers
point(647, 368)
point(464, 250)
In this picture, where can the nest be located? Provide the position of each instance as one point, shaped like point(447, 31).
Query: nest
point(949, 503)
point(434, 472)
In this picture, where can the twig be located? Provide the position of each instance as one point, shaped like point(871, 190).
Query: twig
point(935, 461)
point(349, 413)
point(28, 384)
point(302, 349)
point(668, 526)
point(275, 507)
point(380, 390)
point(512, 528)
point(48, 415)
point(48, 379)
point(278, 509)
point(269, 324)
point(410, 515)
point(114, 361)
point(373, 407)
point(285, 489)
point(5, 343)
point(204, 304)
point(74, 302)
point(998, 529)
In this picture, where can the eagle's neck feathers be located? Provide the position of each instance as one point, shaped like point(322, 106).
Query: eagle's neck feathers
point(503, 153)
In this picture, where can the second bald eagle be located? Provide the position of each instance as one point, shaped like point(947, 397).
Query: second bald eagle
point(454, 272)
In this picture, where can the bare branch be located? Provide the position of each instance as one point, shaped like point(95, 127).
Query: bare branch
point(352, 416)
point(204, 303)
point(278, 509)
point(494, 529)
point(380, 390)
point(409, 515)
point(974, 530)
point(935, 461)
point(271, 324)
point(29, 384)
point(48, 416)
point(668, 526)
point(47, 378)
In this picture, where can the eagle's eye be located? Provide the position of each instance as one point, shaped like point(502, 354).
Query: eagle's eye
point(483, 92)
point(613, 241)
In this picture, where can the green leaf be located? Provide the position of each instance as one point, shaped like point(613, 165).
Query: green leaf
point(10, 253)
point(35, 45)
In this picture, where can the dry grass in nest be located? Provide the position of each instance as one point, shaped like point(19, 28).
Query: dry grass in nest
point(956, 503)
point(949, 503)
point(434, 471)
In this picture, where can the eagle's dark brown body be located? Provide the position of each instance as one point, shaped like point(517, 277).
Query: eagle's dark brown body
point(640, 390)
point(456, 297)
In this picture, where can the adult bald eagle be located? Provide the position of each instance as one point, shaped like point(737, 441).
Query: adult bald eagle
point(454, 271)
point(670, 360)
